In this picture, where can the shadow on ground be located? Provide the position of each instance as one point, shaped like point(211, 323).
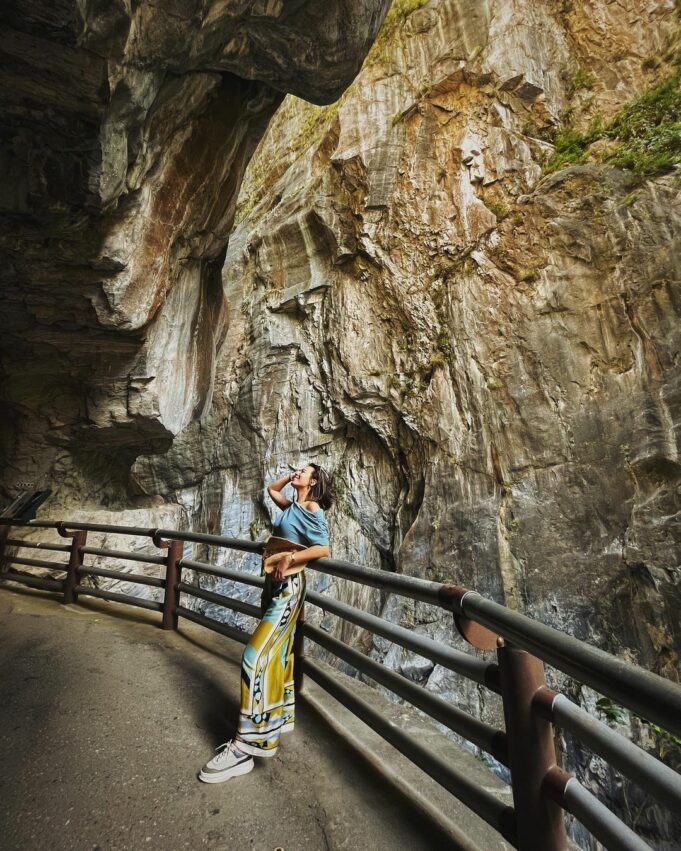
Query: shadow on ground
point(106, 720)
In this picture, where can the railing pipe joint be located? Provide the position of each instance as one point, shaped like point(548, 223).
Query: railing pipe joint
point(555, 783)
point(452, 597)
point(542, 702)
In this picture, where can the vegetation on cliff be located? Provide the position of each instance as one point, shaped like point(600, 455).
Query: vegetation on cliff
point(394, 20)
point(645, 135)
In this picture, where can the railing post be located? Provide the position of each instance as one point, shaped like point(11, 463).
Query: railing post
point(299, 652)
point(171, 594)
point(78, 540)
point(532, 754)
point(4, 535)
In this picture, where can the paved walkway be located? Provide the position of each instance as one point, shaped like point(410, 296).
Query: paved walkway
point(105, 720)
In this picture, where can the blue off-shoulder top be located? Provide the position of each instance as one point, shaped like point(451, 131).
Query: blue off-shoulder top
point(301, 526)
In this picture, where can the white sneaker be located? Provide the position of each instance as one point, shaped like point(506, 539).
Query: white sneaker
point(226, 764)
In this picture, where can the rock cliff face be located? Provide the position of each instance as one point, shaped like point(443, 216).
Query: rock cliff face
point(126, 132)
point(481, 346)
point(483, 350)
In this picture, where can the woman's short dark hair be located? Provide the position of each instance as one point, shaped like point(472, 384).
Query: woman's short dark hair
point(322, 491)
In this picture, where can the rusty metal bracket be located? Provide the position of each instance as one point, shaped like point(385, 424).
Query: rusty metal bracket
point(453, 597)
point(63, 532)
point(161, 543)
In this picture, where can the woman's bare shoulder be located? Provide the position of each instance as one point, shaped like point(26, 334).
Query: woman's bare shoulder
point(311, 505)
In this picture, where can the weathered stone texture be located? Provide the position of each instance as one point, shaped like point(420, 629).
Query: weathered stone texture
point(486, 357)
point(126, 132)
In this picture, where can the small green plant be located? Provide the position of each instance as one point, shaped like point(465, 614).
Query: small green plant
point(611, 711)
point(625, 451)
point(436, 359)
point(499, 209)
point(445, 344)
point(253, 529)
point(583, 79)
point(397, 117)
point(571, 145)
point(666, 741)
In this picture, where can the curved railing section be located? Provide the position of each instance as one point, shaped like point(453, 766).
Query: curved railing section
point(542, 790)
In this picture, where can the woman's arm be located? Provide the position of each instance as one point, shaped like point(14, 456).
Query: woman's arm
point(300, 558)
point(274, 490)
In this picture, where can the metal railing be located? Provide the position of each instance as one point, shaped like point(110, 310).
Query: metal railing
point(541, 789)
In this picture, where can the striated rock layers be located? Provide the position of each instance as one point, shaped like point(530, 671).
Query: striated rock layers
point(126, 131)
point(484, 352)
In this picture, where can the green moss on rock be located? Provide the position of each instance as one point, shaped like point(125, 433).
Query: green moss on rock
point(646, 132)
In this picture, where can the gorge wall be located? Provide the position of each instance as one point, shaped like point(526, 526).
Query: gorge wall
point(126, 131)
point(427, 291)
point(484, 350)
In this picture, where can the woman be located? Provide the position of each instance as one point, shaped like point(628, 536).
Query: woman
point(267, 695)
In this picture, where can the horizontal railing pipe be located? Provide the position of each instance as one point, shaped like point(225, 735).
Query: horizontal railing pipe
point(123, 555)
point(223, 572)
point(219, 599)
point(569, 793)
point(33, 562)
point(37, 545)
point(140, 602)
point(654, 776)
point(641, 691)
point(496, 813)
point(41, 582)
point(478, 732)
point(229, 631)
point(598, 819)
point(407, 586)
point(168, 534)
point(484, 673)
point(214, 540)
point(98, 527)
point(121, 576)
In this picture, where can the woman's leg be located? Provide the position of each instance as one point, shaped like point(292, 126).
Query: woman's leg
point(267, 673)
point(289, 714)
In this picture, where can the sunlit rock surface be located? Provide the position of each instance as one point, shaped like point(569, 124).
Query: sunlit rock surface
point(485, 355)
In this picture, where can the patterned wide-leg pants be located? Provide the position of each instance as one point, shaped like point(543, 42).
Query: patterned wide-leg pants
point(267, 696)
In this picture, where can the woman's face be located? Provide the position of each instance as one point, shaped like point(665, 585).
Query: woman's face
point(303, 478)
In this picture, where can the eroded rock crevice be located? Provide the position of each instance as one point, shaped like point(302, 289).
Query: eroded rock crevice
point(126, 134)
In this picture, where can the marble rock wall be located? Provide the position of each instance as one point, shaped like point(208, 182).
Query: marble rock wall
point(126, 131)
point(484, 354)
